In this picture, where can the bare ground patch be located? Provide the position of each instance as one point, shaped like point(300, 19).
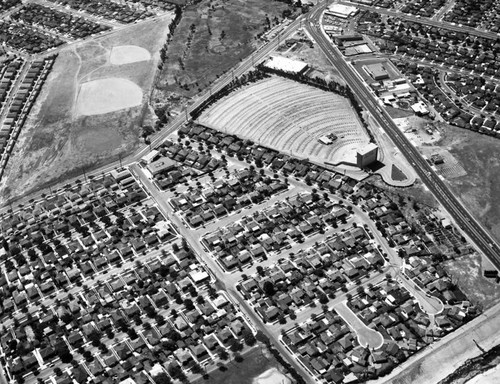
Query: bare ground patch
point(102, 96)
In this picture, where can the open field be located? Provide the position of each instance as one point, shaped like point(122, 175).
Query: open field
point(211, 38)
point(91, 109)
point(290, 117)
point(479, 187)
point(254, 364)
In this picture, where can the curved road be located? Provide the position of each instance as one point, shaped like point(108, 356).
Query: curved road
point(462, 217)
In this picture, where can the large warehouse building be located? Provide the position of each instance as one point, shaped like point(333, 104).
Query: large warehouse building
point(377, 71)
point(281, 63)
point(342, 11)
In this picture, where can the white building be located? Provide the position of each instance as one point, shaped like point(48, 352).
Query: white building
point(285, 64)
point(342, 11)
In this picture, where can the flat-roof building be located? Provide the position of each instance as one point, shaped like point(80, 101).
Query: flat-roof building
point(285, 64)
point(342, 11)
point(163, 164)
point(377, 71)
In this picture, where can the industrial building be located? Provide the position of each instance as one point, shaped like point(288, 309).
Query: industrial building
point(377, 71)
point(281, 63)
point(342, 11)
point(366, 155)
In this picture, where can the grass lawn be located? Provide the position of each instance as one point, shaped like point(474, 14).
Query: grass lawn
point(397, 174)
point(396, 113)
point(255, 362)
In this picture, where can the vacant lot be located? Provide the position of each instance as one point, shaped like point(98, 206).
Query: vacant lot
point(255, 363)
point(479, 188)
point(290, 117)
point(467, 273)
point(90, 110)
point(211, 38)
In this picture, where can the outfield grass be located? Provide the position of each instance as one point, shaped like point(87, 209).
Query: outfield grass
point(255, 362)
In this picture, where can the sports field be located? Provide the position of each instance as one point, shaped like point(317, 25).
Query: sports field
point(101, 96)
point(126, 54)
point(290, 117)
point(91, 108)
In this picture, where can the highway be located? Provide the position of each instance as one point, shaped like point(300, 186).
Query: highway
point(462, 217)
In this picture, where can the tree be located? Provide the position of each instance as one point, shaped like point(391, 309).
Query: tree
point(268, 288)
point(162, 378)
point(323, 299)
point(223, 353)
point(238, 358)
point(64, 354)
point(189, 304)
point(235, 346)
point(95, 338)
point(249, 338)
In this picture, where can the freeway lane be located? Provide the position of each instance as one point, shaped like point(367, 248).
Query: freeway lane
point(463, 218)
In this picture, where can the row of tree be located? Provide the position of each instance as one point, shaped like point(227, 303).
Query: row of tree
point(236, 83)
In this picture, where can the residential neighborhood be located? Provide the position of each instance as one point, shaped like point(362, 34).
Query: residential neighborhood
point(270, 207)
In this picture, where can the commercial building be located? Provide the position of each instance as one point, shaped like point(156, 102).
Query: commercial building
point(420, 108)
point(285, 64)
point(377, 71)
point(163, 164)
point(366, 155)
point(342, 11)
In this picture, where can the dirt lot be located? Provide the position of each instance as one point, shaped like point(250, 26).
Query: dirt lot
point(466, 271)
point(221, 33)
point(58, 142)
